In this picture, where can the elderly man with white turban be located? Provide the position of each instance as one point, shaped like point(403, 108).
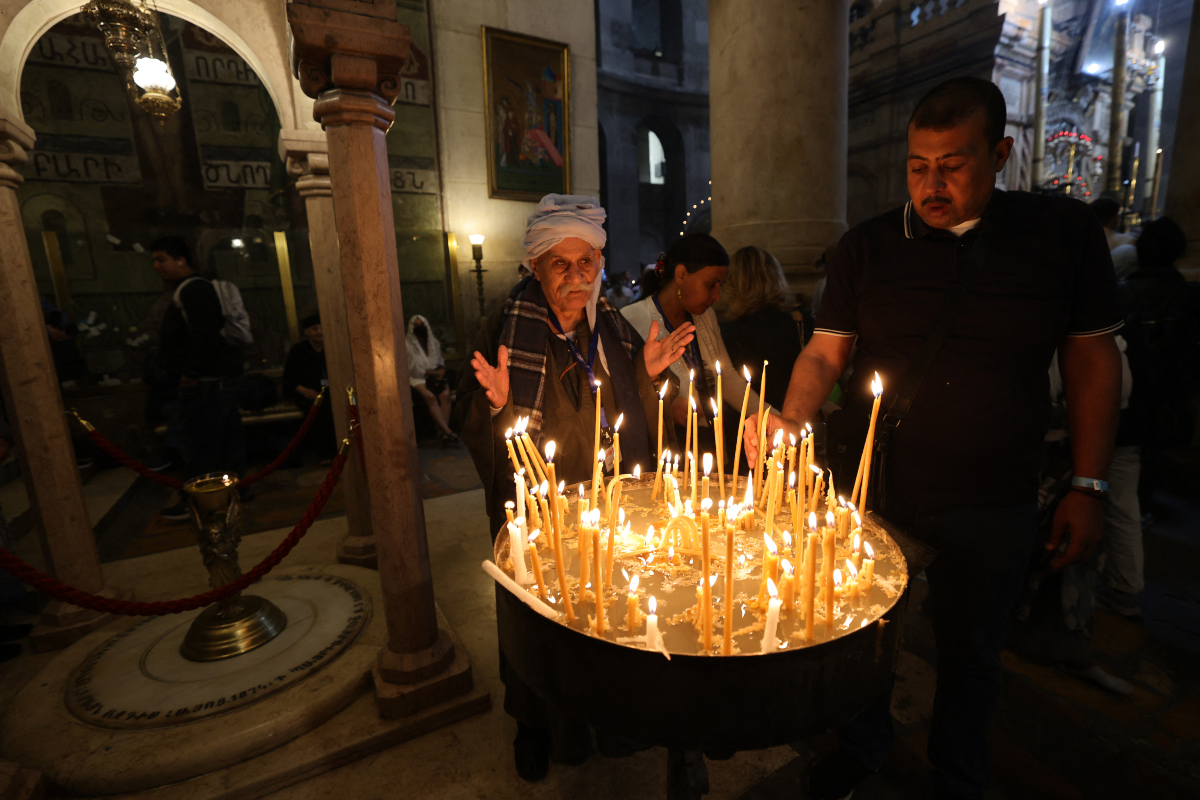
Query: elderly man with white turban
point(539, 357)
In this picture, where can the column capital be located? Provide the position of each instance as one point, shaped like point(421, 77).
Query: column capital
point(16, 139)
point(306, 154)
point(337, 49)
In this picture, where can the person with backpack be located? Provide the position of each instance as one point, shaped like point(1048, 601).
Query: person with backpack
point(198, 347)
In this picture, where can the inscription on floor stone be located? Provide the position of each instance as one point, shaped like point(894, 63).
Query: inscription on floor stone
point(138, 679)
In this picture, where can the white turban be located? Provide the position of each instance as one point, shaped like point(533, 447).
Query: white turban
point(568, 216)
point(564, 216)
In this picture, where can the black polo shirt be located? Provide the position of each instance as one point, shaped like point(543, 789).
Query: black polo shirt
point(973, 435)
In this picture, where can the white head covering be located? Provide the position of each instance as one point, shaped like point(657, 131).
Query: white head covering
point(568, 216)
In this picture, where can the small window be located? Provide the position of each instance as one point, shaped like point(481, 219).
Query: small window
point(651, 158)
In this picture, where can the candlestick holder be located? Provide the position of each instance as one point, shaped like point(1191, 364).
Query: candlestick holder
point(477, 255)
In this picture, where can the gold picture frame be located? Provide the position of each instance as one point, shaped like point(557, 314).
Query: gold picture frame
point(527, 105)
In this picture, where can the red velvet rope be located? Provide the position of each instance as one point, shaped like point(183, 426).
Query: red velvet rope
point(36, 579)
point(124, 459)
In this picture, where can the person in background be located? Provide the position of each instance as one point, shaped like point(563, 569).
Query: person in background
point(1163, 331)
point(1109, 213)
point(758, 322)
point(427, 374)
point(206, 368)
point(304, 375)
point(681, 291)
point(620, 292)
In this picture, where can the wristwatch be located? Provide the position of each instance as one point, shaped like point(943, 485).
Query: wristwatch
point(1093, 484)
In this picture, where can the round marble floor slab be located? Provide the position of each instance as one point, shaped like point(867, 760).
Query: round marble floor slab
point(139, 679)
point(84, 759)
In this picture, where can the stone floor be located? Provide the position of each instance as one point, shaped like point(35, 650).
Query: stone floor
point(1055, 736)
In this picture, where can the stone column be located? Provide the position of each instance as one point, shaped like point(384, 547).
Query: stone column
point(35, 409)
point(779, 146)
point(306, 155)
point(350, 63)
point(1116, 113)
point(1183, 187)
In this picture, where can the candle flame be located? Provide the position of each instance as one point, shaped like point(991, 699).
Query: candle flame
point(617, 426)
point(857, 543)
point(718, 365)
point(787, 567)
point(519, 522)
point(770, 545)
point(713, 403)
point(857, 519)
point(600, 456)
point(829, 518)
point(544, 488)
point(778, 440)
point(746, 372)
point(562, 486)
point(508, 434)
point(867, 549)
point(706, 504)
point(793, 439)
point(597, 383)
point(676, 462)
point(671, 552)
point(653, 605)
point(749, 494)
point(691, 375)
point(812, 521)
point(692, 400)
point(510, 504)
point(771, 590)
point(620, 517)
point(742, 560)
point(637, 472)
point(837, 577)
point(712, 580)
point(633, 584)
point(808, 427)
point(787, 539)
point(519, 428)
point(815, 468)
point(851, 506)
point(521, 472)
point(663, 392)
point(792, 480)
point(550, 448)
point(877, 386)
point(581, 491)
point(534, 535)
point(594, 514)
point(851, 569)
point(841, 501)
point(706, 461)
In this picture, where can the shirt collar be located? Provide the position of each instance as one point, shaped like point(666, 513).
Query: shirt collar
point(915, 227)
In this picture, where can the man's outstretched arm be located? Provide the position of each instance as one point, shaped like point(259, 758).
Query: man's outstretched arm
point(1091, 368)
point(816, 370)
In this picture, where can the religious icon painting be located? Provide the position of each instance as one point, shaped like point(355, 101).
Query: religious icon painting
point(526, 85)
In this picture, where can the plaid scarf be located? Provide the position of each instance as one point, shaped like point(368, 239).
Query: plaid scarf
point(526, 325)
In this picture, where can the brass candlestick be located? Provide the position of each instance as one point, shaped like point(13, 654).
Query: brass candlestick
point(237, 624)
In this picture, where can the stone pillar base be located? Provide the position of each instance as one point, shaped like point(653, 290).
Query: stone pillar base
point(62, 624)
point(358, 551)
point(20, 784)
point(452, 677)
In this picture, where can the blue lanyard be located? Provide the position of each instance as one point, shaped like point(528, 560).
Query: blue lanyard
point(593, 347)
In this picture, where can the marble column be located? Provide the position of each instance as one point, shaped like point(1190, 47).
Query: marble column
point(35, 409)
point(1183, 186)
point(307, 158)
point(350, 63)
point(779, 146)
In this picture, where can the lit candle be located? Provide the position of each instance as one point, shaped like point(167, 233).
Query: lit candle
point(816, 495)
point(661, 395)
point(552, 482)
point(688, 406)
point(580, 507)
point(869, 451)
point(791, 454)
point(705, 505)
point(652, 637)
point(762, 432)
point(508, 510)
point(810, 579)
point(617, 445)
point(770, 566)
point(633, 612)
point(837, 590)
point(596, 446)
point(512, 454)
point(708, 459)
point(737, 446)
point(534, 457)
point(827, 541)
point(787, 592)
point(597, 588)
point(517, 553)
point(792, 501)
point(856, 556)
point(536, 563)
point(769, 643)
point(769, 521)
point(866, 577)
point(695, 449)
point(597, 477)
point(719, 431)
point(664, 459)
point(521, 449)
point(727, 638)
point(851, 582)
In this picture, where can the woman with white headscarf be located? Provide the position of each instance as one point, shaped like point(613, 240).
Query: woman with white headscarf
point(427, 374)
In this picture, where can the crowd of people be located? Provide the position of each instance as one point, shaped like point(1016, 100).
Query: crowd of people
point(1033, 434)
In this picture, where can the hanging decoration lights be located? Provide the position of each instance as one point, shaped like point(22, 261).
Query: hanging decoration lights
point(133, 36)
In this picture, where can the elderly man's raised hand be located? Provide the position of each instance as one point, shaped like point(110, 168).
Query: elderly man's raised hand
point(494, 380)
point(662, 353)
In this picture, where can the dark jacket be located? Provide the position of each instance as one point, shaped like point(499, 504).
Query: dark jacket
point(768, 334)
point(193, 346)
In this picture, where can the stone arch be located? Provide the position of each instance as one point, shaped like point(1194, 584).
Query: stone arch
point(50, 211)
point(673, 201)
point(36, 17)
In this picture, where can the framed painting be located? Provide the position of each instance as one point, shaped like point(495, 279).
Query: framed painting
point(527, 106)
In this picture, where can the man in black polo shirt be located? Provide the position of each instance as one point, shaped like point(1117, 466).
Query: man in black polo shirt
point(961, 471)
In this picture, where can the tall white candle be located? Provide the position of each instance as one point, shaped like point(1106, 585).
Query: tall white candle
point(769, 643)
point(516, 550)
point(652, 635)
